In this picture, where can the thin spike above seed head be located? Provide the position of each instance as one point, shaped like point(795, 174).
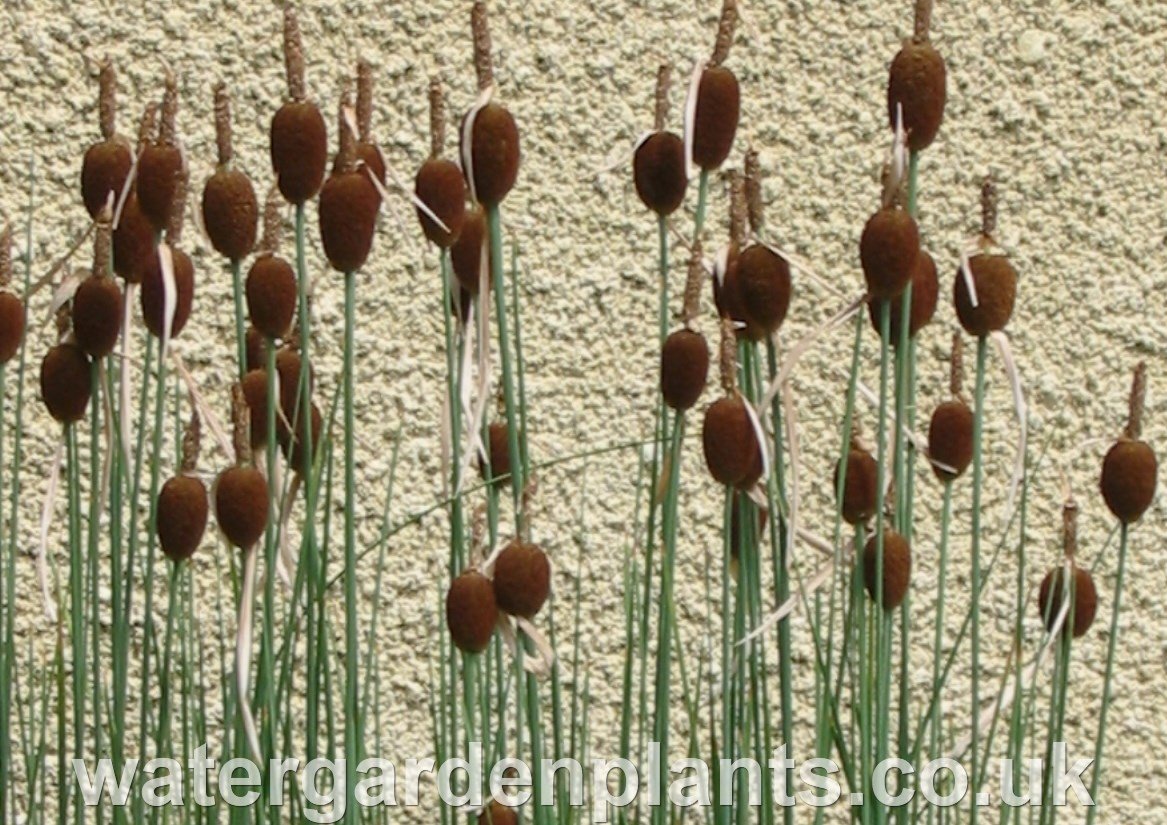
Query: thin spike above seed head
point(364, 110)
point(923, 21)
point(988, 207)
point(223, 123)
point(437, 118)
point(664, 76)
point(293, 56)
point(1136, 402)
point(191, 442)
point(725, 30)
point(480, 29)
point(753, 183)
point(107, 104)
point(6, 256)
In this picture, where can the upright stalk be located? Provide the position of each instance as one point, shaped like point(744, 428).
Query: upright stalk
point(975, 624)
point(352, 727)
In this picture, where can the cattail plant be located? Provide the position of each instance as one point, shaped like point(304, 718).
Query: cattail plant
point(471, 611)
point(97, 303)
point(182, 502)
point(133, 237)
point(917, 84)
point(162, 166)
point(107, 163)
point(299, 138)
point(889, 585)
point(859, 478)
point(522, 579)
point(440, 186)
point(271, 282)
point(684, 356)
point(469, 253)
point(167, 294)
point(658, 161)
point(64, 380)
point(230, 210)
point(489, 139)
point(714, 100)
point(349, 203)
point(729, 434)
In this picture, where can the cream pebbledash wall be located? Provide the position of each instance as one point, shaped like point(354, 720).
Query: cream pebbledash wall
point(1061, 100)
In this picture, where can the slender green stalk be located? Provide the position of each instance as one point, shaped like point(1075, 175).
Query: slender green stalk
point(975, 626)
point(352, 726)
point(1111, 647)
point(240, 333)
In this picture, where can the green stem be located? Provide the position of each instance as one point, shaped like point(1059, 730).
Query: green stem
point(1111, 647)
point(494, 223)
point(975, 626)
point(240, 334)
point(352, 693)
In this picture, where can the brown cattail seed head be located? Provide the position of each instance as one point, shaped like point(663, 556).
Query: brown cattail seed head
point(181, 517)
point(153, 294)
point(763, 279)
point(97, 309)
point(1129, 475)
point(255, 348)
point(1050, 599)
point(950, 439)
point(995, 281)
point(107, 163)
point(470, 252)
point(498, 445)
point(716, 116)
point(888, 250)
point(293, 446)
point(925, 296)
point(65, 382)
point(440, 186)
point(230, 208)
point(241, 504)
point(471, 611)
point(522, 579)
point(299, 138)
point(859, 487)
point(658, 171)
point(731, 448)
point(271, 295)
point(917, 82)
point(684, 368)
point(133, 242)
point(349, 203)
point(11, 307)
point(254, 386)
point(496, 813)
point(897, 568)
point(494, 154)
point(161, 166)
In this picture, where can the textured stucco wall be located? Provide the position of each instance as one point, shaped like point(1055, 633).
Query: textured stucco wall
point(1062, 100)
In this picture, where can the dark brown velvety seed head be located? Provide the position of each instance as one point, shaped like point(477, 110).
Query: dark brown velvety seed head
point(500, 453)
point(11, 326)
point(887, 250)
point(897, 568)
point(299, 150)
point(348, 217)
point(370, 155)
point(288, 367)
point(684, 367)
point(471, 611)
point(763, 280)
point(918, 82)
point(159, 168)
point(104, 170)
point(522, 579)
point(1085, 595)
point(497, 813)
point(658, 170)
point(439, 185)
point(271, 296)
point(995, 280)
point(182, 517)
point(466, 255)
point(731, 448)
point(716, 117)
point(1129, 474)
point(255, 349)
point(65, 382)
point(494, 151)
point(230, 213)
point(293, 447)
point(950, 439)
point(859, 487)
point(254, 385)
point(925, 294)
point(241, 505)
point(133, 242)
point(727, 294)
point(153, 294)
point(97, 315)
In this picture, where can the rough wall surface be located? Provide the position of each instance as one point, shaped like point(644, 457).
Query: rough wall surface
point(1061, 100)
